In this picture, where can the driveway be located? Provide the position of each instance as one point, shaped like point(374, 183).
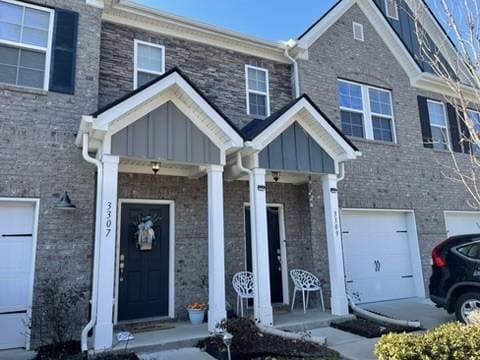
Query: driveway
point(355, 347)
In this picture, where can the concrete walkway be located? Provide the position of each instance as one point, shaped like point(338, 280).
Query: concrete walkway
point(356, 347)
point(17, 354)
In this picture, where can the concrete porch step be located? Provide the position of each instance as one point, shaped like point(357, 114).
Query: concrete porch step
point(298, 321)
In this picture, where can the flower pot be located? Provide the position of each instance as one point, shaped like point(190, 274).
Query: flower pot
point(196, 316)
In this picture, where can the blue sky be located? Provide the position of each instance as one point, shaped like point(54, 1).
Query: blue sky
point(267, 19)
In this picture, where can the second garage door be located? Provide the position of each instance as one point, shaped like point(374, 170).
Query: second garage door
point(461, 223)
point(378, 255)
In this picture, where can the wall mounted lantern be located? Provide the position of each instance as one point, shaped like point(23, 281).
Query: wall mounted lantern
point(64, 203)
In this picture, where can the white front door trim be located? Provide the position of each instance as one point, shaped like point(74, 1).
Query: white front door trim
point(36, 203)
point(171, 260)
point(283, 246)
point(414, 246)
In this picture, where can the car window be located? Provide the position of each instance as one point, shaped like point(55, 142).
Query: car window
point(472, 251)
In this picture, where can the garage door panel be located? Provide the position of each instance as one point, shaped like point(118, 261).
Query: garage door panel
point(377, 255)
point(459, 223)
point(16, 249)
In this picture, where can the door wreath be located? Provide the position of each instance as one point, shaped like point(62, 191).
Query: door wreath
point(145, 233)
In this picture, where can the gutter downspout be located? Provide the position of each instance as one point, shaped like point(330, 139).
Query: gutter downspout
point(96, 249)
point(289, 46)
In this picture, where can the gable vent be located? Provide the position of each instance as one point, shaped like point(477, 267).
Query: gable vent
point(358, 31)
point(391, 8)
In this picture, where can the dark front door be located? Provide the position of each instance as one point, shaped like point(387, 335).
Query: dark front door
point(275, 258)
point(144, 279)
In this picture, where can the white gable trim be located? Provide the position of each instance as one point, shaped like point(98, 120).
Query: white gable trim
point(379, 23)
point(172, 88)
point(324, 134)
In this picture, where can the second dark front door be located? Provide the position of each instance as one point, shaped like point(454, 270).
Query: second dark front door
point(144, 269)
point(274, 251)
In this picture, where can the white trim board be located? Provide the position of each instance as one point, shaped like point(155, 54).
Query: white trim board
point(283, 246)
point(36, 204)
point(171, 265)
point(414, 246)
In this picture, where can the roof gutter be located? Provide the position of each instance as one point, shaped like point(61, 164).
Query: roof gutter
point(289, 45)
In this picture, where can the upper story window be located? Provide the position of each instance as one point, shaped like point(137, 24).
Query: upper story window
point(25, 44)
point(149, 62)
point(366, 111)
point(391, 9)
point(258, 99)
point(438, 125)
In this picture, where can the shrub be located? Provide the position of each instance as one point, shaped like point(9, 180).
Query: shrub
point(447, 342)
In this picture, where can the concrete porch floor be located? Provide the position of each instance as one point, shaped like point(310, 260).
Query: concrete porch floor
point(185, 334)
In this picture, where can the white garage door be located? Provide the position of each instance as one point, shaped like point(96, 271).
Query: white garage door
point(461, 223)
point(378, 260)
point(16, 251)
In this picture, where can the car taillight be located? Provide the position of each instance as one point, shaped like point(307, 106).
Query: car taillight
point(438, 259)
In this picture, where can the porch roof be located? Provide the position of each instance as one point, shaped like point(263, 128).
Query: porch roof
point(261, 133)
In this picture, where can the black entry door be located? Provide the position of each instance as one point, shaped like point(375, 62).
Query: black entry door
point(275, 259)
point(144, 281)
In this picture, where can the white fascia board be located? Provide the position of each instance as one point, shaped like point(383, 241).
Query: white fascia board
point(132, 14)
point(290, 116)
point(86, 123)
point(432, 83)
point(104, 120)
point(321, 27)
point(380, 24)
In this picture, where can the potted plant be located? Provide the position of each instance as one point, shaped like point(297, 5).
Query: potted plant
point(196, 312)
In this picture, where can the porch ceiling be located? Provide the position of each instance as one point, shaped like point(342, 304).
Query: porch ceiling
point(140, 166)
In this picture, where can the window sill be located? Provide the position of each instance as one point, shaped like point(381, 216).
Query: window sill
point(23, 89)
point(375, 142)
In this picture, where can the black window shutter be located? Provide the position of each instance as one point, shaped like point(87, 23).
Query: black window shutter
point(464, 133)
point(425, 122)
point(453, 125)
point(64, 49)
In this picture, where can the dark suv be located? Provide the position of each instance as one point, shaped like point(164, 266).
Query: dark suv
point(455, 280)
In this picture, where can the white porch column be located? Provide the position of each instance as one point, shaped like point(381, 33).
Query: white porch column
point(216, 248)
point(106, 271)
point(262, 306)
point(339, 301)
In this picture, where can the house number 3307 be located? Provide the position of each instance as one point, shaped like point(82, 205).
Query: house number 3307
point(108, 221)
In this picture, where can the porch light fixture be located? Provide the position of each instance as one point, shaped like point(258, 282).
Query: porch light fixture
point(276, 176)
point(155, 167)
point(65, 203)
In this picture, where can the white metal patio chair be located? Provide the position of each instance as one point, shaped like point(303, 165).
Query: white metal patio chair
point(243, 284)
point(305, 282)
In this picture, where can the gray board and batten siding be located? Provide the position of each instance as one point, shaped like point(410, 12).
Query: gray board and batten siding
point(166, 134)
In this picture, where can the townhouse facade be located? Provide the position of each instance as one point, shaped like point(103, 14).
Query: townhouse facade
point(143, 116)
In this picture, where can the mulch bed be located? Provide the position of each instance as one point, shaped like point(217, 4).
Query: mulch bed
point(250, 344)
point(369, 329)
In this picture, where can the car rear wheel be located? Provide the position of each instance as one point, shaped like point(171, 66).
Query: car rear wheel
point(466, 304)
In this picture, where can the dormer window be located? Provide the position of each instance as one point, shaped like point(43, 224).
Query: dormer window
point(391, 9)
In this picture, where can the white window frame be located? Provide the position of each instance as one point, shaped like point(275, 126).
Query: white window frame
point(392, 16)
point(136, 69)
point(361, 32)
point(47, 50)
point(248, 91)
point(367, 113)
point(447, 125)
